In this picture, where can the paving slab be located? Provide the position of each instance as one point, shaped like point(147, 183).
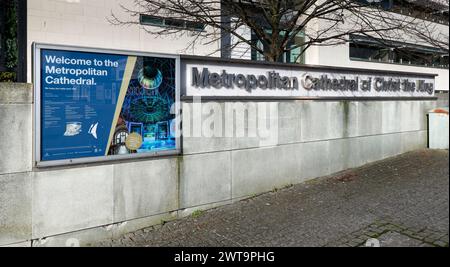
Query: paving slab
point(399, 201)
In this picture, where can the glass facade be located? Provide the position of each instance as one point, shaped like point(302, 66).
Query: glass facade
point(294, 55)
point(426, 10)
point(371, 49)
point(149, 20)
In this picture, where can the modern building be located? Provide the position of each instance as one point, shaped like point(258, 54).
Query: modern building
point(87, 23)
point(90, 138)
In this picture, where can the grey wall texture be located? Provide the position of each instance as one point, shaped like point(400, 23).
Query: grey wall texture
point(75, 205)
point(442, 99)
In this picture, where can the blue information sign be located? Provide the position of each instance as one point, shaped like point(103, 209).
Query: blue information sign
point(98, 104)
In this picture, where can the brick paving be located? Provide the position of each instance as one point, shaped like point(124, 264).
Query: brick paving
point(400, 201)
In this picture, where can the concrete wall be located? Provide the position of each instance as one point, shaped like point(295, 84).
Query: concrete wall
point(78, 204)
point(442, 99)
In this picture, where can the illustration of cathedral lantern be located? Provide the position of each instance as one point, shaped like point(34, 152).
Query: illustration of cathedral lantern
point(150, 78)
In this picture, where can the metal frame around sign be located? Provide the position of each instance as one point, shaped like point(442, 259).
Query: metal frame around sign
point(221, 63)
point(37, 48)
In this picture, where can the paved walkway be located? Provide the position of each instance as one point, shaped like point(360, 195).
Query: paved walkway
point(401, 201)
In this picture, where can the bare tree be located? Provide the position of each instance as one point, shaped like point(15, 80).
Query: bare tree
point(275, 23)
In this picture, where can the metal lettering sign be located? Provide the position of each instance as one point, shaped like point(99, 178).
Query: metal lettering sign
point(250, 82)
point(239, 80)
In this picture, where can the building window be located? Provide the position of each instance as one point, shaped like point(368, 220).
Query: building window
point(149, 20)
point(426, 10)
point(295, 55)
point(375, 50)
point(434, 11)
